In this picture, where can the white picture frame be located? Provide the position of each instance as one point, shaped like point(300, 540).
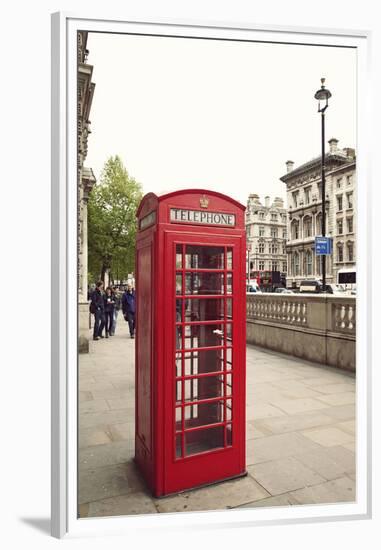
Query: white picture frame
point(64, 277)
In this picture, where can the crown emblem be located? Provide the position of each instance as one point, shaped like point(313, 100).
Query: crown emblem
point(204, 202)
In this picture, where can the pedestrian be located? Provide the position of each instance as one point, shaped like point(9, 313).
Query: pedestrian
point(129, 308)
point(109, 304)
point(118, 304)
point(97, 307)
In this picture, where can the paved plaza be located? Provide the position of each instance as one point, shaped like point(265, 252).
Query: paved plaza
point(300, 436)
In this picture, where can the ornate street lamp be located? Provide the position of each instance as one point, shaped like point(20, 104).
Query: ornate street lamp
point(322, 96)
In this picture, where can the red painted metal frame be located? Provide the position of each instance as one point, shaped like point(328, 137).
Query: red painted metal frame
point(156, 353)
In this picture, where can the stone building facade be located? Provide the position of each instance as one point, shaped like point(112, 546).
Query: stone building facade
point(86, 181)
point(266, 234)
point(304, 220)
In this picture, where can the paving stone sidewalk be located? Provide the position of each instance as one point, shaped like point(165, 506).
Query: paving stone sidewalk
point(300, 436)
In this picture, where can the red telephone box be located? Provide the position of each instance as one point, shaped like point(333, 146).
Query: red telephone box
point(190, 340)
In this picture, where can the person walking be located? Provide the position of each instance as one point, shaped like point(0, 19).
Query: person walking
point(109, 304)
point(129, 308)
point(118, 304)
point(98, 309)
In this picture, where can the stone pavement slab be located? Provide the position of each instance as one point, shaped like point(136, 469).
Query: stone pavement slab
point(300, 436)
point(338, 490)
point(223, 495)
point(284, 475)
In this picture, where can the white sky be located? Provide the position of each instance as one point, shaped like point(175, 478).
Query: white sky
point(216, 115)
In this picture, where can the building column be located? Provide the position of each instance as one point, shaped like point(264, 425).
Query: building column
point(87, 184)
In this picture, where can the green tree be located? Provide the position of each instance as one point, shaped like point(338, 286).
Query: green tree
point(112, 222)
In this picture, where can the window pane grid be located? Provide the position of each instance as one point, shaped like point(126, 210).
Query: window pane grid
point(203, 397)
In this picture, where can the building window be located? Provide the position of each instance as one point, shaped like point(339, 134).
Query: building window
point(309, 262)
point(274, 232)
point(295, 264)
point(350, 200)
point(339, 227)
point(274, 217)
point(261, 215)
point(350, 252)
point(284, 233)
point(261, 231)
point(308, 227)
point(284, 218)
point(349, 180)
point(307, 195)
point(339, 199)
point(340, 256)
point(318, 265)
point(350, 225)
point(319, 191)
point(261, 248)
point(274, 266)
point(273, 249)
point(284, 249)
point(295, 196)
point(261, 265)
point(339, 183)
point(285, 267)
point(295, 229)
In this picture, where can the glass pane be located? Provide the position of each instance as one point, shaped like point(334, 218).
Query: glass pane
point(229, 258)
point(228, 384)
point(178, 446)
point(206, 387)
point(229, 430)
point(211, 309)
point(178, 418)
point(202, 336)
point(178, 391)
point(179, 283)
point(204, 440)
point(207, 413)
point(228, 409)
point(204, 257)
point(229, 308)
point(228, 353)
point(179, 256)
point(204, 283)
point(229, 283)
point(178, 364)
point(228, 333)
point(203, 361)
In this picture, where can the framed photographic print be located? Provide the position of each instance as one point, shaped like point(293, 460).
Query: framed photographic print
point(211, 275)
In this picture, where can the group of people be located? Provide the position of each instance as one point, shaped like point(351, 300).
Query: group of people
point(106, 304)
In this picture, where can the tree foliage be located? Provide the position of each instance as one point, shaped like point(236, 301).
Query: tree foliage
point(112, 223)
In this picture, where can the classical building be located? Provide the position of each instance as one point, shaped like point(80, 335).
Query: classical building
point(304, 223)
point(86, 181)
point(266, 233)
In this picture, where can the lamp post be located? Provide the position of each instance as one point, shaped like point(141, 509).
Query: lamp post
point(322, 95)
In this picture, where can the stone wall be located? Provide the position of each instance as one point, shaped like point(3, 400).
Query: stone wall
point(319, 328)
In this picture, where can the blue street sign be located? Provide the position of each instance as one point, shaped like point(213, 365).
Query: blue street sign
point(323, 246)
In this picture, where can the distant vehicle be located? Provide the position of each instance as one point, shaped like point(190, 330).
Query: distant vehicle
point(315, 286)
point(284, 291)
point(310, 286)
point(252, 288)
point(268, 281)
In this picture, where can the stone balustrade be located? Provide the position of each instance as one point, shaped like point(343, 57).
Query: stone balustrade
point(320, 328)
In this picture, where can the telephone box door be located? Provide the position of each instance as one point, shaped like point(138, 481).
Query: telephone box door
point(205, 380)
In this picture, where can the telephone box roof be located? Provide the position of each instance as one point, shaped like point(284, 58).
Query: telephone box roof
point(166, 195)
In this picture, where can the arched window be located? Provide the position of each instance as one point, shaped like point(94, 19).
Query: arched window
point(296, 263)
point(308, 262)
point(295, 229)
point(307, 226)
